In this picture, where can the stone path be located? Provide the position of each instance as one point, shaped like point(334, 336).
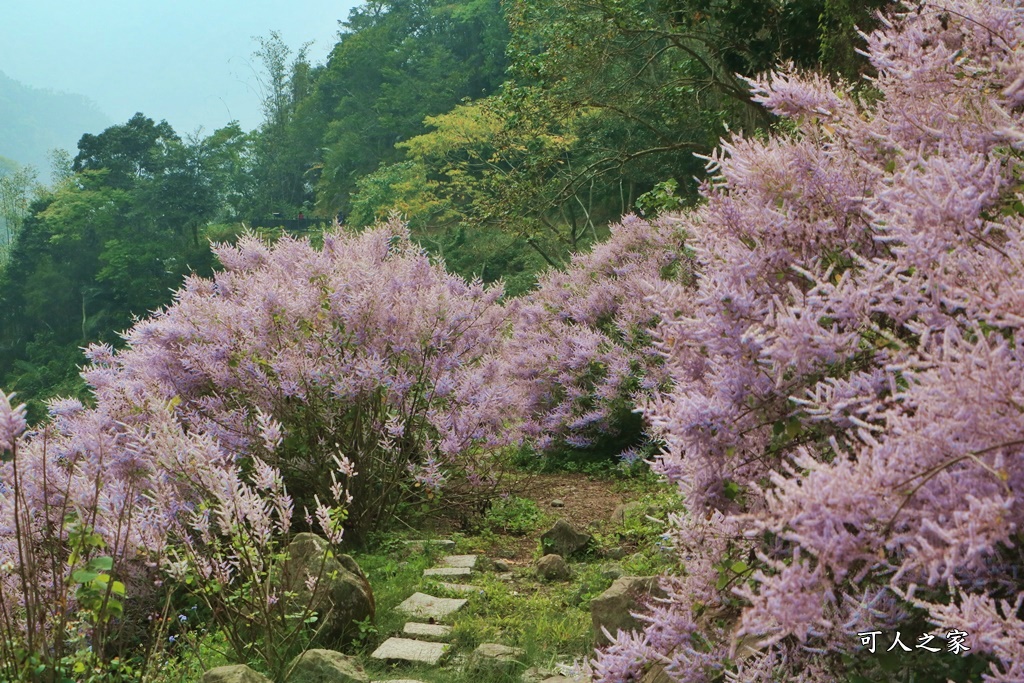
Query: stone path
point(423, 641)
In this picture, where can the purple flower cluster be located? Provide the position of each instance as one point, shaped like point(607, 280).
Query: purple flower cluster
point(581, 352)
point(847, 414)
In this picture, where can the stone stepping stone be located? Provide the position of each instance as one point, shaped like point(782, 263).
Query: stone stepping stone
point(467, 561)
point(448, 571)
point(461, 588)
point(408, 650)
point(427, 606)
point(414, 629)
point(494, 657)
point(443, 544)
point(498, 651)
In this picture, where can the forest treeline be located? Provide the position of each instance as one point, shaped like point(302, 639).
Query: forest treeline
point(508, 136)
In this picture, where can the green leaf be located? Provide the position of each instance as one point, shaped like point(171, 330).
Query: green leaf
point(117, 588)
point(103, 563)
point(84, 576)
point(739, 567)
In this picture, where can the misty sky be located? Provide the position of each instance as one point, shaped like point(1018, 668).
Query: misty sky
point(187, 61)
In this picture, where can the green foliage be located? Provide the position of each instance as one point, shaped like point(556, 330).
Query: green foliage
point(395, 65)
point(16, 187)
point(661, 199)
point(106, 244)
point(281, 148)
point(513, 515)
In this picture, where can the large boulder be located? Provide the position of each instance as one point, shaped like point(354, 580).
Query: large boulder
point(612, 609)
point(236, 673)
point(325, 666)
point(342, 596)
point(562, 539)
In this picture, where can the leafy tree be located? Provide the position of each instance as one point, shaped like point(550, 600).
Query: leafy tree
point(17, 186)
point(396, 64)
point(632, 91)
point(106, 244)
point(129, 152)
point(229, 159)
point(280, 169)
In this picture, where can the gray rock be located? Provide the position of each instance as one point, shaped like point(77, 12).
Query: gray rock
point(611, 609)
point(553, 568)
point(408, 650)
point(498, 651)
point(464, 561)
point(495, 657)
point(612, 571)
point(325, 666)
point(427, 606)
point(615, 553)
point(562, 539)
point(436, 632)
point(539, 675)
point(461, 588)
point(343, 595)
point(624, 510)
point(556, 503)
point(448, 571)
point(236, 673)
point(535, 674)
point(502, 566)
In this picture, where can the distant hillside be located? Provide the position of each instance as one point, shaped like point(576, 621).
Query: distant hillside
point(34, 121)
point(7, 165)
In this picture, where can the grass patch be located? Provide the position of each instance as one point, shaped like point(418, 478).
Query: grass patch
point(513, 515)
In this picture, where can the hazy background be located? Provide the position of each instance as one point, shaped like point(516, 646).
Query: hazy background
point(187, 61)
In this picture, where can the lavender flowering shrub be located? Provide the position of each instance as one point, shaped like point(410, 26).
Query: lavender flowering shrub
point(359, 368)
point(102, 504)
point(85, 503)
point(581, 350)
point(363, 347)
point(846, 422)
